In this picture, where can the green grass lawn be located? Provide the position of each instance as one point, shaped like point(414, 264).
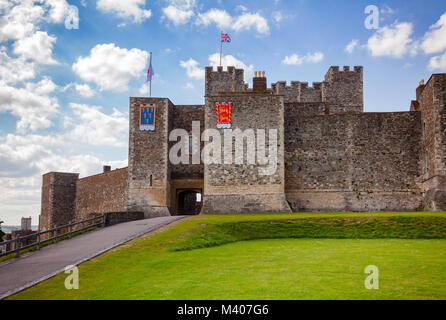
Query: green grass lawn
point(263, 256)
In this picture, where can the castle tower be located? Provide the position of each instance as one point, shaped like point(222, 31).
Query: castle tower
point(431, 98)
point(241, 188)
point(343, 90)
point(58, 203)
point(148, 171)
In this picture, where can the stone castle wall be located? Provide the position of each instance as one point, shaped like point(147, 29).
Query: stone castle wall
point(241, 188)
point(58, 202)
point(182, 118)
point(343, 90)
point(149, 167)
point(353, 162)
point(101, 193)
point(432, 100)
point(298, 91)
point(331, 155)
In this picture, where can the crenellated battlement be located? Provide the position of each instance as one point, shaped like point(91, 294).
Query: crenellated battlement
point(231, 80)
point(298, 91)
point(343, 90)
point(220, 69)
point(295, 84)
point(335, 69)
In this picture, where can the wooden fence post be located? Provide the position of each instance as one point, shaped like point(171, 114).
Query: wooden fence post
point(38, 240)
point(70, 229)
point(55, 235)
point(17, 244)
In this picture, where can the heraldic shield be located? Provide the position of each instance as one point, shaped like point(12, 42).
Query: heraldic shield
point(224, 110)
point(147, 117)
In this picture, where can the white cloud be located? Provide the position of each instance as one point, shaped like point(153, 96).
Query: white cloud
point(351, 46)
point(189, 85)
point(34, 139)
point(277, 16)
point(219, 17)
point(241, 8)
point(97, 128)
point(222, 19)
point(177, 15)
point(15, 70)
point(192, 69)
point(438, 63)
point(23, 160)
point(57, 10)
point(251, 20)
point(231, 61)
point(298, 60)
point(392, 41)
point(84, 90)
point(31, 105)
point(20, 20)
point(435, 39)
point(43, 87)
point(145, 89)
point(111, 67)
point(386, 10)
point(128, 9)
point(37, 47)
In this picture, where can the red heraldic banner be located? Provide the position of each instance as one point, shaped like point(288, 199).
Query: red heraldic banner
point(224, 110)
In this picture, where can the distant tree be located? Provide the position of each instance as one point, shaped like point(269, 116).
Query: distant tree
point(1, 232)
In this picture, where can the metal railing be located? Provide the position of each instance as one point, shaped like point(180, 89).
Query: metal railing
point(54, 235)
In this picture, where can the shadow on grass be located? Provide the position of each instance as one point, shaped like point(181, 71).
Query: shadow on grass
point(212, 235)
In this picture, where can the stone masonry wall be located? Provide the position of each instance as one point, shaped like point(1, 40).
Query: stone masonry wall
point(432, 101)
point(231, 80)
point(349, 162)
point(304, 109)
point(149, 181)
point(182, 118)
point(241, 187)
point(102, 193)
point(298, 91)
point(343, 90)
point(58, 199)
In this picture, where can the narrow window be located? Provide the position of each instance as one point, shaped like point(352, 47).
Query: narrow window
point(191, 145)
point(150, 180)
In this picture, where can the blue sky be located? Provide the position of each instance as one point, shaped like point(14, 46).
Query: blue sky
point(64, 92)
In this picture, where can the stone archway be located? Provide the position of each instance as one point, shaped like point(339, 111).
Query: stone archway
point(189, 201)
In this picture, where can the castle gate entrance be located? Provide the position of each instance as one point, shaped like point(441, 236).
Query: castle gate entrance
point(189, 202)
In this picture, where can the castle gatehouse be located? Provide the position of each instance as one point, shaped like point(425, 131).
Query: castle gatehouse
point(329, 154)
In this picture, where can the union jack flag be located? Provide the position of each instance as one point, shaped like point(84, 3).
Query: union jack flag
point(225, 37)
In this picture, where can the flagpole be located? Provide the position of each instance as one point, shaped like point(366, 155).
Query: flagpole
point(151, 77)
point(221, 46)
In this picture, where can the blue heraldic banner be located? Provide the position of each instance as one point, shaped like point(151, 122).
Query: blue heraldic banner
point(147, 117)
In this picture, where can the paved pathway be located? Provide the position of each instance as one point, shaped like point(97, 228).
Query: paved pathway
point(19, 274)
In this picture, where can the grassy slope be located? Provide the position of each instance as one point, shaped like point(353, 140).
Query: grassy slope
point(150, 268)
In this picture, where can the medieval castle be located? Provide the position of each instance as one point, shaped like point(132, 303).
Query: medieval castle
point(331, 155)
